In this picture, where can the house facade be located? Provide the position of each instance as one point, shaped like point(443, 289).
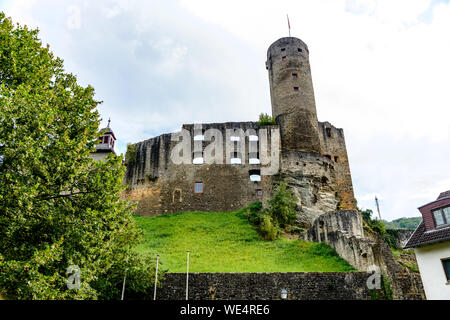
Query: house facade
point(431, 243)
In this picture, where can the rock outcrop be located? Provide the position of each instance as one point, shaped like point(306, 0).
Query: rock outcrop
point(364, 250)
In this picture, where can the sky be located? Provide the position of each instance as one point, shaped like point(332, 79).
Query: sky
point(380, 68)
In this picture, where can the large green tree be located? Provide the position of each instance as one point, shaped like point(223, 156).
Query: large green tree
point(58, 208)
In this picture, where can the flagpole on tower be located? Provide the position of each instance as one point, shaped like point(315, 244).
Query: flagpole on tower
point(289, 25)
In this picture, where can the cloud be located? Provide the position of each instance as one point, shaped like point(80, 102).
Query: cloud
point(380, 71)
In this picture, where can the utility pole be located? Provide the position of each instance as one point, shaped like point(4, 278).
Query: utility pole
point(289, 25)
point(124, 279)
point(378, 206)
point(156, 277)
point(187, 275)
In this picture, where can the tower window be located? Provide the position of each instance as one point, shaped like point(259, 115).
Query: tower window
point(336, 158)
point(198, 187)
point(283, 58)
point(299, 49)
point(294, 76)
point(283, 49)
point(328, 130)
point(296, 89)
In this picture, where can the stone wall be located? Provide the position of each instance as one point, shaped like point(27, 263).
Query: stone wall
point(161, 186)
point(266, 286)
point(402, 236)
point(333, 146)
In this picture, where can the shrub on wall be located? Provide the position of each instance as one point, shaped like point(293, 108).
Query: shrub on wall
point(131, 155)
point(282, 206)
point(265, 119)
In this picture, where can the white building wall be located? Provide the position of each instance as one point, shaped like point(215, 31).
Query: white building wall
point(432, 271)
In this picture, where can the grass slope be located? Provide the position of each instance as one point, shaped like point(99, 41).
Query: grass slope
point(226, 242)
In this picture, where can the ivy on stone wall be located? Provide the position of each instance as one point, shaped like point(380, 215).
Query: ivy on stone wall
point(131, 155)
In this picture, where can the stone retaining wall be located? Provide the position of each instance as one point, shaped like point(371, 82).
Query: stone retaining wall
point(266, 286)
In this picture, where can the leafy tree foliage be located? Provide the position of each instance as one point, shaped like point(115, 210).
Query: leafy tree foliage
point(280, 214)
point(282, 206)
point(265, 119)
point(403, 223)
point(57, 206)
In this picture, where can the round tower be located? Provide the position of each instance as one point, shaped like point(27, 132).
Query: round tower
point(292, 95)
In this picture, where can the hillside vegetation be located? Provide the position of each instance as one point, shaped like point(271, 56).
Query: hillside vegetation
point(227, 242)
point(403, 223)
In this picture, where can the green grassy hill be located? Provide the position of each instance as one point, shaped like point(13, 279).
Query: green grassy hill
point(226, 242)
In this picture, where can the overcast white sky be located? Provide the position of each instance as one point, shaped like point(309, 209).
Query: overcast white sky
point(381, 71)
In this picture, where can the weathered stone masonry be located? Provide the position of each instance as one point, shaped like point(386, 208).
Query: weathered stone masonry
point(266, 286)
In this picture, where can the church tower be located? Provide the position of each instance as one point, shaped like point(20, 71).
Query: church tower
point(292, 95)
point(105, 144)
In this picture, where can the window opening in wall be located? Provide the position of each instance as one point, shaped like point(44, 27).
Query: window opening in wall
point(336, 158)
point(176, 197)
point(299, 49)
point(198, 187)
point(296, 89)
point(328, 131)
point(259, 192)
point(327, 155)
point(199, 137)
point(283, 58)
point(198, 160)
point(446, 265)
point(294, 76)
point(253, 158)
point(255, 175)
point(105, 139)
point(283, 49)
point(235, 158)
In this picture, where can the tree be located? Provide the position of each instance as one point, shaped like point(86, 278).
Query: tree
point(58, 208)
point(282, 206)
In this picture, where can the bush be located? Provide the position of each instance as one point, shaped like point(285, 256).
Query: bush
point(282, 206)
point(265, 120)
point(378, 226)
point(268, 229)
point(131, 154)
point(280, 214)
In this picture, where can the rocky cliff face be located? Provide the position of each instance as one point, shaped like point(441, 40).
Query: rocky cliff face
point(366, 251)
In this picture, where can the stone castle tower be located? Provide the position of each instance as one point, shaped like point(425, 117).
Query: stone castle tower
point(292, 94)
point(312, 159)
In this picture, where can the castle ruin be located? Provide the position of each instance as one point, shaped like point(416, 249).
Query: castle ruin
point(311, 156)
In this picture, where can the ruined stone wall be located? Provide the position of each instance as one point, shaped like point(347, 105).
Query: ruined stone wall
point(332, 142)
point(265, 286)
point(161, 186)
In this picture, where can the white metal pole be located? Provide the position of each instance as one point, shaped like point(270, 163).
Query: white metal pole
point(187, 276)
point(124, 280)
point(156, 277)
